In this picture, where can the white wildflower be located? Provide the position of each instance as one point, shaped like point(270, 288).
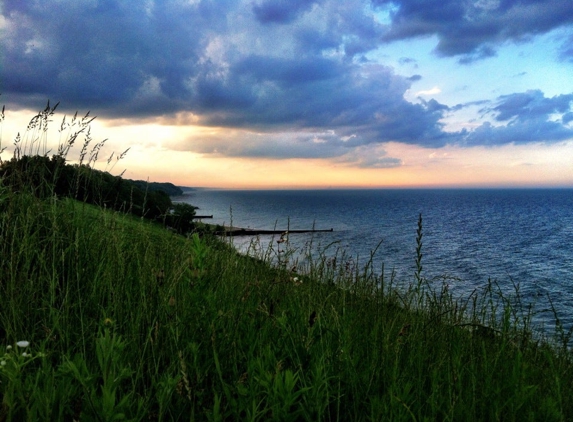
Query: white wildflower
point(9, 347)
point(25, 354)
point(23, 343)
point(297, 281)
point(2, 363)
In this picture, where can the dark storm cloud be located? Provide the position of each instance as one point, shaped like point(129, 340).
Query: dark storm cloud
point(288, 72)
point(122, 57)
point(280, 11)
point(273, 66)
point(100, 53)
point(473, 29)
point(367, 100)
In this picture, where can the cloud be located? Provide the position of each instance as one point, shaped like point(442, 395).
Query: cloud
point(100, 54)
point(284, 145)
point(270, 93)
point(566, 52)
point(132, 56)
point(407, 60)
point(269, 66)
point(479, 53)
point(458, 107)
point(472, 30)
point(518, 133)
point(529, 117)
point(432, 91)
point(280, 11)
point(290, 145)
point(288, 72)
point(530, 105)
point(369, 156)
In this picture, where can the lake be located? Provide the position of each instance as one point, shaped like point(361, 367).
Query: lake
point(513, 236)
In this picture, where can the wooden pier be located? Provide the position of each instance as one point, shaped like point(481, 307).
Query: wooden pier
point(236, 231)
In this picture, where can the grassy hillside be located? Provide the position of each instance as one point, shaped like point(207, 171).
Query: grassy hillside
point(126, 320)
point(109, 316)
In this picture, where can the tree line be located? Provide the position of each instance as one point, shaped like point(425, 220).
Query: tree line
point(46, 177)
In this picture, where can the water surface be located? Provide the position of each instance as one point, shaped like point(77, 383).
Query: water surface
point(514, 236)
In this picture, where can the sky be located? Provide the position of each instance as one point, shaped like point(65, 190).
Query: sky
point(301, 93)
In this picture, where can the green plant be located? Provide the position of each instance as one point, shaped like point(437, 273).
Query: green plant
point(103, 396)
point(419, 235)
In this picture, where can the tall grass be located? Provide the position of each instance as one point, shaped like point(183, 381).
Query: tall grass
point(127, 321)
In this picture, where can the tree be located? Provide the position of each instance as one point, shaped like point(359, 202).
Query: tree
point(181, 217)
